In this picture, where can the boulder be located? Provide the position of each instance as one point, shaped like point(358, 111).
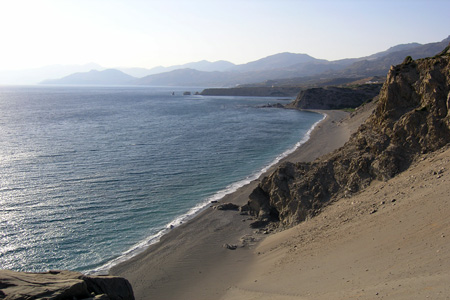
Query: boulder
point(62, 285)
point(227, 206)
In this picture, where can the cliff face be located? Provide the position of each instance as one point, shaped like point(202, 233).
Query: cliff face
point(412, 117)
point(335, 97)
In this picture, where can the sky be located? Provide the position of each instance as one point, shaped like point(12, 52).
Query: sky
point(138, 33)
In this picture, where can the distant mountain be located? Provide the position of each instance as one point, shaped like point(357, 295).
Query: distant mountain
point(379, 64)
point(35, 75)
point(277, 61)
point(204, 65)
point(136, 72)
point(274, 66)
point(186, 77)
point(105, 77)
point(280, 69)
point(401, 47)
point(347, 70)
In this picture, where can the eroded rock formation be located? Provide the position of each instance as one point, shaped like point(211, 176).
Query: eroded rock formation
point(412, 117)
point(62, 285)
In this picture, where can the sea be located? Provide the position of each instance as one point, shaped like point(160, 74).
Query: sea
point(90, 176)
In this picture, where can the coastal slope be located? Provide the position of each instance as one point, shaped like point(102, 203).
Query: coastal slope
point(411, 118)
point(383, 233)
point(389, 242)
point(381, 230)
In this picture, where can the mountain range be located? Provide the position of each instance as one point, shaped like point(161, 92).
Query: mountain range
point(104, 77)
point(36, 75)
point(283, 69)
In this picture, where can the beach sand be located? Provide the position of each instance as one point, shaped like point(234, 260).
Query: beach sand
point(190, 262)
point(391, 241)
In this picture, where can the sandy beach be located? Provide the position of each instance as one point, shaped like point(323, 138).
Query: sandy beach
point(190, 262)
point(386, 242)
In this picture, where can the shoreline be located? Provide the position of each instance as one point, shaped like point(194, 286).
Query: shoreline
point(215, 198)
point(191, 258)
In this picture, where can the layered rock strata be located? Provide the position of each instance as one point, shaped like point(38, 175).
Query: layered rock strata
point(412, 117)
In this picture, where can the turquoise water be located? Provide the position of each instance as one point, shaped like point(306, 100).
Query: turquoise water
point(92, 175)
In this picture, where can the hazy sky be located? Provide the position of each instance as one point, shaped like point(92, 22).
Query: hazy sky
point(138, 33)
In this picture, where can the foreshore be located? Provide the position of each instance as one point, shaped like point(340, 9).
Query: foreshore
point(190, 262)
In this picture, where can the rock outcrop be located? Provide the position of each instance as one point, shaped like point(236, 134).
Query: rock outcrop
point(412, 117)
point(335, 97)
point(62, 285)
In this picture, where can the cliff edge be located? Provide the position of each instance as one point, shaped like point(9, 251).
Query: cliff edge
point(412, 117)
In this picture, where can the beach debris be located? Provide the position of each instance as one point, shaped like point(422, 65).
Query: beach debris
point(230, 246)
point(247, 240)
point(227, 206)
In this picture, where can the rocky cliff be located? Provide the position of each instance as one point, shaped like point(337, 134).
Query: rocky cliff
point(335, 97)
point(412, 117)
point(62, 285)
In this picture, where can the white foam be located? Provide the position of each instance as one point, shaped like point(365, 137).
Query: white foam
point(141, 246)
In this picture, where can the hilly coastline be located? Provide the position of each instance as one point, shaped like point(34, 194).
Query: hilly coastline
point(366, 220)
point(411, 118)
point(293, 70)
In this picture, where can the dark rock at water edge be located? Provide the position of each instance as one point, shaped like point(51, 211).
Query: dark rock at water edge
point(412, 117)
point(61, 285)
point(227, 206)
point(270, 105)
point(335, 97)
